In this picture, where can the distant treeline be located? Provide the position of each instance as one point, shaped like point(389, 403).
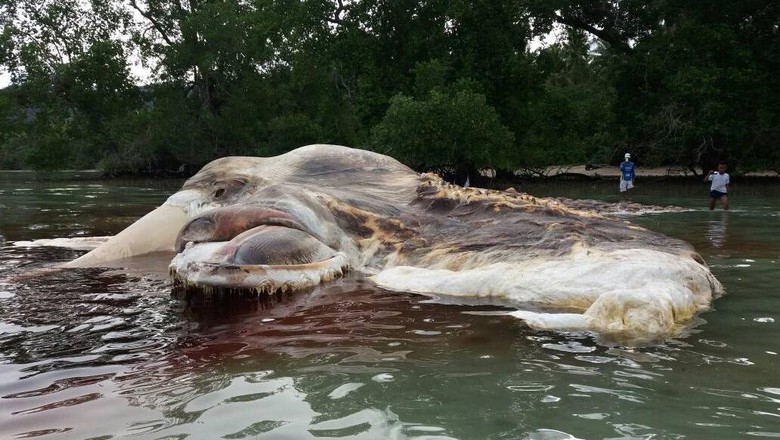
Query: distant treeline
point(443, 85)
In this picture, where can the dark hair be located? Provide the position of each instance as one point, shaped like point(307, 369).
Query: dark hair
point(723, 162)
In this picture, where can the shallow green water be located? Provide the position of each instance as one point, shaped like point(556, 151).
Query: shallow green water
point(95, 354)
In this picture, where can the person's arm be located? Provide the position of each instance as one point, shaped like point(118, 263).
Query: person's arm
point(708, 176)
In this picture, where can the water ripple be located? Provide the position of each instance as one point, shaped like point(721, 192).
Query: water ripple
point(620, 394)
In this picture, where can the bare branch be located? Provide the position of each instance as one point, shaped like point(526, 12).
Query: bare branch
point(157, 26)
point(612, 38)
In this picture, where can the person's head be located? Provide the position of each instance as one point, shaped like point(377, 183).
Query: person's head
point(722, 167)
point(628, 157)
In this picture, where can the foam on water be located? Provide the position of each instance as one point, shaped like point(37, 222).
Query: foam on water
point(78, 243)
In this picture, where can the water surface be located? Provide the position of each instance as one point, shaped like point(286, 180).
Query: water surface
point(96, 354)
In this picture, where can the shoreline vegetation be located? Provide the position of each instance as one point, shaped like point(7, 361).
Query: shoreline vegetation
point(487, 179)
point(450, 86)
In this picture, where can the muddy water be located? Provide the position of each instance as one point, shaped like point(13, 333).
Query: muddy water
point(108, 354)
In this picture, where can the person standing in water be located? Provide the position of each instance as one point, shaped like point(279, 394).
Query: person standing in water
point(720, 186)
point(626, 174)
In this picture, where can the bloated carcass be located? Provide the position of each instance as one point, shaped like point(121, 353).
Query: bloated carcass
point(285, 223)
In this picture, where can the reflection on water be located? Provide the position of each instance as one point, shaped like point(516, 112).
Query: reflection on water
point(105, 354)
point(716, 230)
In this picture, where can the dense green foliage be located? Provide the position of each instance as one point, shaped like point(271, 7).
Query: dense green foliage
point(451, 86)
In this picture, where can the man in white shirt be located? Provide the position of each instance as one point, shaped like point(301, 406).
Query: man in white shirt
point(720, 186)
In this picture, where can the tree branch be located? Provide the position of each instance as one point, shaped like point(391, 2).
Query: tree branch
point(610, 37)
point(157, 26)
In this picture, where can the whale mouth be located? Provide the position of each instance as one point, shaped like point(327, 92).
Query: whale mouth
point(251, 251)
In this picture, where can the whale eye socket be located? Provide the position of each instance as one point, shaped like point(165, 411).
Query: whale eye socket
point(227, 188)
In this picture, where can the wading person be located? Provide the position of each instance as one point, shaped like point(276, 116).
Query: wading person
point(626, 174)
point(719, 188)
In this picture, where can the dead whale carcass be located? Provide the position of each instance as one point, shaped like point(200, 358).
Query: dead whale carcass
point(251, 224)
